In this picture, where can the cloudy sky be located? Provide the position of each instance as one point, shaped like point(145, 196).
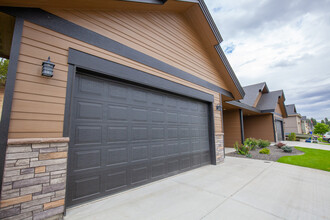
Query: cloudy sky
point(285, 43)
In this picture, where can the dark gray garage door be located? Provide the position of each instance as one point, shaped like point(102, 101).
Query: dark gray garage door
point(124, 135)
point(279, 130)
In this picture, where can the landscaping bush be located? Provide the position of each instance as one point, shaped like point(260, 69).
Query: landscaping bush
point(251, 142)
point(241, 149)
point(280, 145)
point(292, 136)
point(264, 151)
point(287, 149)
point(263, 143)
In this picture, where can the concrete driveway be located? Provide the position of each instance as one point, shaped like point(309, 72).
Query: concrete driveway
point(237, 189)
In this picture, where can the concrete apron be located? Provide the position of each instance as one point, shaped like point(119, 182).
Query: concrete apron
point(237, 189)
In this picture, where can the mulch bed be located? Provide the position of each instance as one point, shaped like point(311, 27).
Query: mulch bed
point(275, 154)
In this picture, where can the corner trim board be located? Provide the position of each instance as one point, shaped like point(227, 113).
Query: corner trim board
point(9, 93)
point(60, 25)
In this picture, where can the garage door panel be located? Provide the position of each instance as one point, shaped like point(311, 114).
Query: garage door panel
point(157, 150)
point(84, 160)
point(139, 133)
point(90, 86)
point(157, 133)
point(89, 110)
point(172, 132)
point(185, 162)
point(125, 136)
point(172, 117)
point(118, 113)
point(140, 152)
point(139, 173)
point(117, 133)
point(117, 155)
point(173, 165)
point(139, 114)
point(117, 179)
point(85, 188)
point(86, 135)
point(158, 169)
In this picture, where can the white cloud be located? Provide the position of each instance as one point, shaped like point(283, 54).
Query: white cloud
point(285, 43)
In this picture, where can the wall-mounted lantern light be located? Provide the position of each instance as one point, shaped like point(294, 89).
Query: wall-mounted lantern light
point(47, 68)
point(219, 107)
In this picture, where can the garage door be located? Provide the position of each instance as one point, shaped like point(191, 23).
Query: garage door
point(279, 130)
point(123, 136)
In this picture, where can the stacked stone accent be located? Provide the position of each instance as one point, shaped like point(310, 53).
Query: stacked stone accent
point(34, 179)
point(219, 148)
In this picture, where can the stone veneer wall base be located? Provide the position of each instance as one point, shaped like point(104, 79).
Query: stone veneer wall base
point(34, 179)
point(219, 146)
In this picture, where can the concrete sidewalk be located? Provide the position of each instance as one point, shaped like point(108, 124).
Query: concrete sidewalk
point(307, 145)
point(237, 189)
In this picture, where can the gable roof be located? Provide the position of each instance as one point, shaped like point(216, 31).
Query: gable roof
point(291, 109)
point(203, 24)
point(252, 92)
point(268, 101)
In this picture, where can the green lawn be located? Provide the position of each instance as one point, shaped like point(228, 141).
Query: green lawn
point(313, 158)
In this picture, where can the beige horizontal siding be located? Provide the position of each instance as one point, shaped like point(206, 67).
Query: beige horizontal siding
point(168, 35)
point(38, 103)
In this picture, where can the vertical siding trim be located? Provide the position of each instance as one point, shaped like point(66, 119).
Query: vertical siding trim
point(212, 134)
point(242, 125)
point(9, 92)
point(69, 90)
point(274, 128)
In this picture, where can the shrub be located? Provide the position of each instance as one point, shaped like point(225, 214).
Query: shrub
point(263, 143)
point(264, 151)
point(251, 142)
point(280, 145)
point(287, 149)
point(241, 149)
point(249, 156)
point(292, 136)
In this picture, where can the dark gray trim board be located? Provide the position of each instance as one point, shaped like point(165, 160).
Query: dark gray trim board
point(274, 127)
point(9, 93)
point(158, 2)
point(106, 67)
point(244, 106)
point(242, 125)
point(212, 135)
point(75, 31)
point(210, 20)
point(67, 110)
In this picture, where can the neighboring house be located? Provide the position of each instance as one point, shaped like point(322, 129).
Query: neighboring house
point(259, 115)
point(306, 125)
point(135, 97)
point(293, 122)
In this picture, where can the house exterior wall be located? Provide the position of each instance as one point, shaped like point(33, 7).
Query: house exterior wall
point(232, 127)
point(278, 109)
point(38, 103)
point(170, 37)
point(259, 127)
point(41, 114)
point(292, 124)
